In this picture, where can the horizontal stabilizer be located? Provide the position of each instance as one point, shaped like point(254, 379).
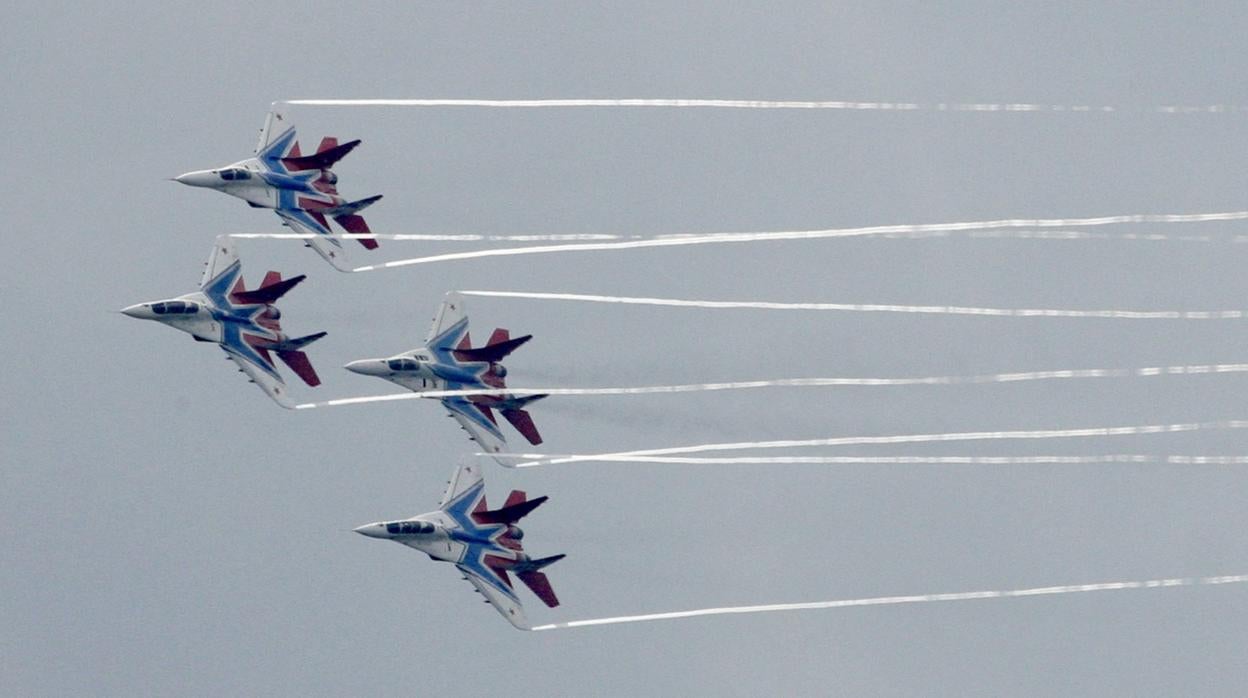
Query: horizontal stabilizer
point(492, 352)
point(354, 223)
point(508, 514)
point(524, 423)
point(299, 342)
point(298, 362)
point(269, 292)
point(353, 207)
point(322, 160)
point(537, 581)
point(288, 344)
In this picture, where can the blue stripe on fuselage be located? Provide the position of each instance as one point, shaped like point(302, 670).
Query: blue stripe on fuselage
point(478, 539)
point(235, 319)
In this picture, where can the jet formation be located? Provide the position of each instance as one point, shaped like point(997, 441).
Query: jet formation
point(301, 189)
point(483, 544)
point(448, 362)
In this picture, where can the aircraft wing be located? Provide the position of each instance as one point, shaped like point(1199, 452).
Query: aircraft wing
point(466, 477)
point(273, 387)
point(224, 255)
point(274, 124)
point(329, 248)
point(449, 314)
point(508, 607)
point(479, 426)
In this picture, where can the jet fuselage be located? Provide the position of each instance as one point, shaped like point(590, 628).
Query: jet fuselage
point(260, 187)
point(418, 371)
point(437, 535)
point(197, 316)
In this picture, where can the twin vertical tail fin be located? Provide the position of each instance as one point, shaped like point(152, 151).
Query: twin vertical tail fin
point(270, 289)
point(499, 346)
point(514, 509)
point(326, 155)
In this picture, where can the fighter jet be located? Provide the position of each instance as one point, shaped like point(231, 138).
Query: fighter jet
point(483, 544)
point(299, 188)
point(448, 362)
point(244, 323)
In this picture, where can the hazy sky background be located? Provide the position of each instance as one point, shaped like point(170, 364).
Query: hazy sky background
point(170, 530)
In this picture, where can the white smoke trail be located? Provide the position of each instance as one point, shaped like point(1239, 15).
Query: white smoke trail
point(683, 239)
point(874, 307)
point(1065, 374)
point(1207, 460)
point(438, 237)
point(762, 104)
point(895, 600)
point(540, 459)
point(1012, 234)
point(903, 460)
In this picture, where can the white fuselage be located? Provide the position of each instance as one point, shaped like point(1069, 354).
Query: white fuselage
point(437, 535)
point(245, 179)
point(419, 372)
point(195, 314)
point(191, 313)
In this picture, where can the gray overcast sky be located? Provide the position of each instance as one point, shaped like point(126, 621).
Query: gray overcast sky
point(169, 530)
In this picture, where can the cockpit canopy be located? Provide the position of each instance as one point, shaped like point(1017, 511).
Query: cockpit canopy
point(231, 174)
point(408, 527)
point(403, 364)
point(175, 308)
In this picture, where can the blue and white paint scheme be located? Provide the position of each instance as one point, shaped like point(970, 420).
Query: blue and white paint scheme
point(484, 545)
point(447, 362)
point(245, 325)
point(301, 189)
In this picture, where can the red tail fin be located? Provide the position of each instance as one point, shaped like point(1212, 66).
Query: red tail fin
point(500, 335)
point(495, 351)
point(323, 159)
point(267, 293)
point(511, 513)
point(273, 277)
point(326, 143)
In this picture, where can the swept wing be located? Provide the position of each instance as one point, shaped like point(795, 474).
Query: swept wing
point(464, 494)
point(274, 124)
point(466, 477)
point(222, 259)
point(450, 313)
point(477, 422)
point(506, 606)
point(221, 273)
point(272, 386)
point(328, 247)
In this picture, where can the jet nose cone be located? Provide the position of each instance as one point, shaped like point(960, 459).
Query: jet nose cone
point(138, 310)
point(372, 530)
point(198, 178)
point(367, 367)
